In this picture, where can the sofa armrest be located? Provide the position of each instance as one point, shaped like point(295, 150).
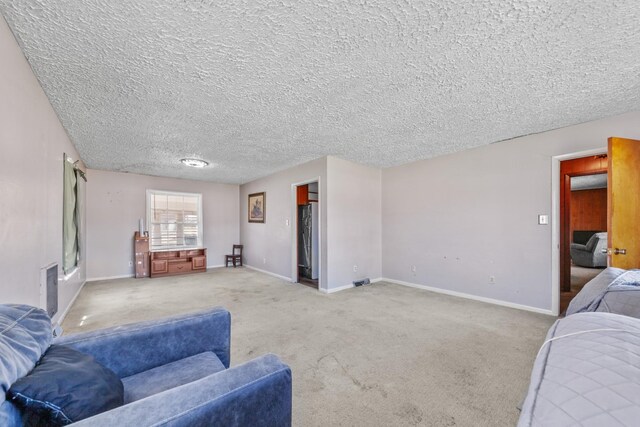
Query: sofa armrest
point(578, 247)
point(257, 393)
point(137, 347)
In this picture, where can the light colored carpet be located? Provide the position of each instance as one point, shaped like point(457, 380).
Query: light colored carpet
point(581, 275)
point(381, 355)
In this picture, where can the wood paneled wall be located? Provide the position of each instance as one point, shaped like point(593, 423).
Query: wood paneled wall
point(589, 210)
point(568, 168)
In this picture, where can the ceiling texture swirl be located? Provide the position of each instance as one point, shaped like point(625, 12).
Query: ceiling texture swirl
point(254, 87)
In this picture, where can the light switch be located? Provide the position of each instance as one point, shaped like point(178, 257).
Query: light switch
point(543, 219)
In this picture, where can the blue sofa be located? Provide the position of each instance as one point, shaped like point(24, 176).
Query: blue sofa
point(175, 371)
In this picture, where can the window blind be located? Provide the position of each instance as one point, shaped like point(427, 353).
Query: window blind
point(174, 220)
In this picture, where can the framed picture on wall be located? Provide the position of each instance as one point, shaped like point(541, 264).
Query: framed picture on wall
point(257, 207)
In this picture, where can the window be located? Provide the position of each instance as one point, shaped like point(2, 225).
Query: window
point(174, 220)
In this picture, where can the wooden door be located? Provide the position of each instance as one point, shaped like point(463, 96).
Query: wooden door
point(303, 195)
point(569, 168)
point(623, 225)
point(198, 262)
point(159, 266)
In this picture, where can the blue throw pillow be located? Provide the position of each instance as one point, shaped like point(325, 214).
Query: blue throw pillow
point(25, 334)
point(66, 386)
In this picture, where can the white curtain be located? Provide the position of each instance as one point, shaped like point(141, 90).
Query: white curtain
point(69, 219)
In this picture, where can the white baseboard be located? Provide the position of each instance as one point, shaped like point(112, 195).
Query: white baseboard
point(349, 286)
point(215, 266)
point(288, 279)
point(124, 276)
point(66, 310)
point(338, 289)
point(470, 296)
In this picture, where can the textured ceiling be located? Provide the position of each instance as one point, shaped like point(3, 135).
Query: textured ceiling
point(258, 86)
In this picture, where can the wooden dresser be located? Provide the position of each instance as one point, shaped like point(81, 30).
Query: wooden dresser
point(169, 263)
point(141, 255)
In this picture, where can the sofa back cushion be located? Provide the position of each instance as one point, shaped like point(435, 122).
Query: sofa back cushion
point(598, 239)
point(25, 334)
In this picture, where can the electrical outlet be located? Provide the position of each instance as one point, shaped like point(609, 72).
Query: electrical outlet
point(130, 263)
point(492, 280)
point(264, 260)
point(355, 268)
point(413, 268)
point(286, 222)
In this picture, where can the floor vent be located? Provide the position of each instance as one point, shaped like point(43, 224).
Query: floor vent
point(361, 282)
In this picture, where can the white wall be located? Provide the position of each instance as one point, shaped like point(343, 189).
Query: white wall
point(467, 216)
point(268, 246)
point(350, 211)
point(354, 219)
point(116, 201)
point(31, 164)
point(459, 218)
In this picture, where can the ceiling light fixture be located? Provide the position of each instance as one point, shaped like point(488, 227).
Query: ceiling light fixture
point(195, 163)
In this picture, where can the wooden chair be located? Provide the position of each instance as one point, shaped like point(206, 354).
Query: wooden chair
point(235, 257)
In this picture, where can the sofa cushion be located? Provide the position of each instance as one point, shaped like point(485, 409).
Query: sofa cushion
point(25, 334)
point(171, 375)
point(10, 415)
point(594, 240)
point(66, 386)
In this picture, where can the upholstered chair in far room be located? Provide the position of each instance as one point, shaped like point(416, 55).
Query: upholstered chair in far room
point(593, 254)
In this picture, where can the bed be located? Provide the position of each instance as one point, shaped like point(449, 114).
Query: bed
point(587, 373)
point(614, 290)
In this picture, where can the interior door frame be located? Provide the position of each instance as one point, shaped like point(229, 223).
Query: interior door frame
point(294, 230)
point(555, 220)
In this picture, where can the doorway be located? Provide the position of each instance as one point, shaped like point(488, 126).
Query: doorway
point(583, 223)
point(308, 236)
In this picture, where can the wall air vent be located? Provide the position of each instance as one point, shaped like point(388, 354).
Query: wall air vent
point(49, 289)
point(362, 282)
